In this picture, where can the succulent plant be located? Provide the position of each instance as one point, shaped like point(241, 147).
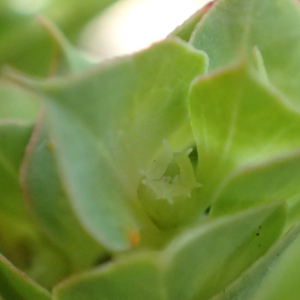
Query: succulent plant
point(169, 174)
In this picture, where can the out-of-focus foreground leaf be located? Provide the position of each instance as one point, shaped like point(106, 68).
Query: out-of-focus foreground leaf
point(137, 278)
point(195, 266)
point(188, 267)
point(25, 44)
point(41, 185)
point(20, 240)
point(15, 285)
point(49, 205)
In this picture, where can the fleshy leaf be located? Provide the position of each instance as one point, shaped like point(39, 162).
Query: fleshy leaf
point(16, 104)
point(41, 184)
point(110, 122)
point(273, 180)
point(25, 45)
point(185, 30)
point(237, 120)
point(233, 27)
point(20, 240)
point(67, 58)
point(258, 62)
point(136, 278)
point(15, 285)
point(274, 276)
point(204, 260)
point(14, 136)
point(48, 202)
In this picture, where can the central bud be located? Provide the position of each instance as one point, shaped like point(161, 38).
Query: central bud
point(168, 189)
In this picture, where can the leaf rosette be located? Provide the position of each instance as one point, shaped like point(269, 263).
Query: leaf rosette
point(179, 164)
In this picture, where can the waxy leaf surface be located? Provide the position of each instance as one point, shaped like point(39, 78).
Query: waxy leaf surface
point(15, 285)
point(256, 184)
point(14, 136)
point(274, 276)
point(185, 30)
point(25, 45)
point(233, 27)
point(41, 185)
point(238, 119)
point(136, 278)
point(108, 123)
point(17, 230)
point(49, 204)
point(204, 260)
point(16, 104)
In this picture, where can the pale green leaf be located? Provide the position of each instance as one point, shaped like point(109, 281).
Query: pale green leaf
point(238, 120)
point(256, 184)
point(15, 285)
point(135, 278)
point(275, 276)
point(204, 260)
point(14, 136)
point(233, 27)
point(25, 45)
point(49, 204)
point(20, 240)
point(69, 59)
point(110, 122)
point(17, 104)
point(184, 31)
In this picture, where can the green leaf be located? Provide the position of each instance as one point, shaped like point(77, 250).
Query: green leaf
point(68, 58)
point(274, 276)
point(25, 45)
point(20, 240)
point(17, 104)
point(254, 185)
point(204, 260)
point(135, 278)
point(108, 123)
point(233, 27)
point(15, 285)
point(14, 136)
point(49, 204)
point(237, 120)
point(185, 30)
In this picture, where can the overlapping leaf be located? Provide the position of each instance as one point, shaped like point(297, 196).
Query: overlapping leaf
point(25, 45)
point(233, 27)
point(129, 107)
point(185, 30)
point(237, 120)
point(136, 278)
point(48, 202)
point(15, 285)
point(14, 137)
point(275, 179)
point(190, 267)
point(274, 276)
point(205, 260)
point(16, 104)
point(42, 186)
